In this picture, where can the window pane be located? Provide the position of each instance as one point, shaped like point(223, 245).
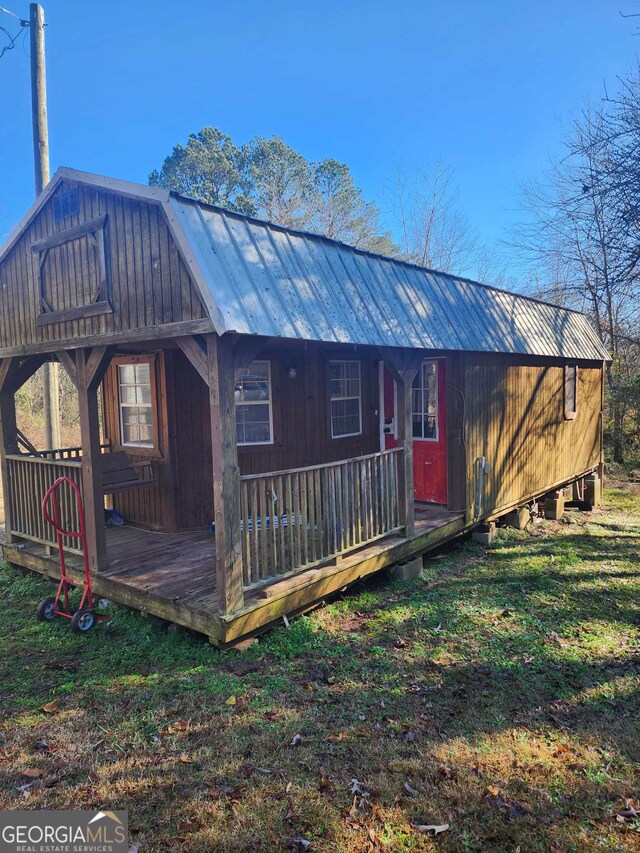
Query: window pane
point(127, 374)
point(345, 417)
point(137, 426)
point(253, 424)
point(142, 372)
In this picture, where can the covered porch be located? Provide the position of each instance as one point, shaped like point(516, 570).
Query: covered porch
point(279, 541)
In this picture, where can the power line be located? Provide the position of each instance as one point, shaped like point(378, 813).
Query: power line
point(12, 39)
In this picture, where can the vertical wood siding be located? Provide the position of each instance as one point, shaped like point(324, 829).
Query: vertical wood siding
point(301, 423)
point(514, 413)
point(148, 281)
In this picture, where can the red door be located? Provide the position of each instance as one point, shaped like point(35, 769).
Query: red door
point(429, 428)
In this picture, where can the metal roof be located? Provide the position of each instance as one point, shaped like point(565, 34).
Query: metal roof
point(263, 279)
point(257, 278)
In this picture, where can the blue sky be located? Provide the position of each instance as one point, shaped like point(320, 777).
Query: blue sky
point(488, 86)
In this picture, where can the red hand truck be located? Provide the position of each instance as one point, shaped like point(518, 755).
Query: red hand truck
point(83, 619)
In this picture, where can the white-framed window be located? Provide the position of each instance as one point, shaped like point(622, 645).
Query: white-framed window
point(570, 391)
point(136, 404)
point(254, 413)
point(424, 402)
point(346, 398)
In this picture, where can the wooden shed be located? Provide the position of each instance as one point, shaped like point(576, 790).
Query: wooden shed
point(273, 413)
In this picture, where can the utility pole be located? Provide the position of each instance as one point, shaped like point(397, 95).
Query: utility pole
point(50, 371)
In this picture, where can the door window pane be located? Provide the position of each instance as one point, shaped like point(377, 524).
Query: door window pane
point(424, 402)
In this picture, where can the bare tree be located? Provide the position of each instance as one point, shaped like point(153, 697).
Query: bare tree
point(433, 230)
point(582, 233)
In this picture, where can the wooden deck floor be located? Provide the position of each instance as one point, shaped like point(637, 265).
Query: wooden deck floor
point(173, 575)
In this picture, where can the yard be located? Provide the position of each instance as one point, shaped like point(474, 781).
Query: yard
point(498, 695)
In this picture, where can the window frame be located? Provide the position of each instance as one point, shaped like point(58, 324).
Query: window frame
point(268, 401)
point(332, 399)
point(570, 406)
point(139, 449)
point(423, 388)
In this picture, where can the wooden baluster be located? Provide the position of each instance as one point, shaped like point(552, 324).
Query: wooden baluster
point(255, 546)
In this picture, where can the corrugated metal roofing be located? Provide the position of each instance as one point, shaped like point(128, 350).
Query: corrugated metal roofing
point(266, 280)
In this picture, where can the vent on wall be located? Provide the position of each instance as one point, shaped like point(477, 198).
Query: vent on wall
point(66, 204)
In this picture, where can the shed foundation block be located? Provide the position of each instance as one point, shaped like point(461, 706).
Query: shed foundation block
point(554, 505)
point(484, 533)
point(406, 571)
point(518, 518)
point(592, 491)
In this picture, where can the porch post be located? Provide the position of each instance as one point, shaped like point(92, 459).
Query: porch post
point(405, 439)
point(8, 444)
point(226, 472)
point(404, 364)
point(90, 367)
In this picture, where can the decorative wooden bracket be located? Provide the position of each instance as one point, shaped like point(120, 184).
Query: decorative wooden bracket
point(245, 350)
point(15, 371)
point(195, 350)
point(67, 360)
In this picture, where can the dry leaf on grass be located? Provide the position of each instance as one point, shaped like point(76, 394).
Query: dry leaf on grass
point(33, 772)
point(230, 701)
point(186, 760)
point(51, 707)
point(431, 827)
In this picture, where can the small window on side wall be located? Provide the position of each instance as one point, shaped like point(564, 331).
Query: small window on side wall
point(570, 391)
point(135, 398)
point(254, 415)
point(346, 398)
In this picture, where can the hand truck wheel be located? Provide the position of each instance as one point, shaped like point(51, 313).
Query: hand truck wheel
point(83, 620)
point(46, 609)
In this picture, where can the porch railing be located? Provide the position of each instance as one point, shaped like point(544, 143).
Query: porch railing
point(68, 452)
point(29, 478)
point(294, 520)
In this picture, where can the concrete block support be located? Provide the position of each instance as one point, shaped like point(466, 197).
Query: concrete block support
point(484, 533)
point(554, 505)
point(593, 490)
point(406, 571)
point(519, 518)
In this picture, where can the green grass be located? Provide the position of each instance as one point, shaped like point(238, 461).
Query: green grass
point(499, 694)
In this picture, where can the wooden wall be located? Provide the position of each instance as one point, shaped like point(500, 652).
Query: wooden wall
point(507, 408)
point(514, 414)
point(147, 280)
point(183, 495)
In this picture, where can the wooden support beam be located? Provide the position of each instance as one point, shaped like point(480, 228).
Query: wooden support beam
point(67, 360)
point(404, 364)
point(90, 368)
point(226, 473)
point(197, 355)
point(96, 364)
